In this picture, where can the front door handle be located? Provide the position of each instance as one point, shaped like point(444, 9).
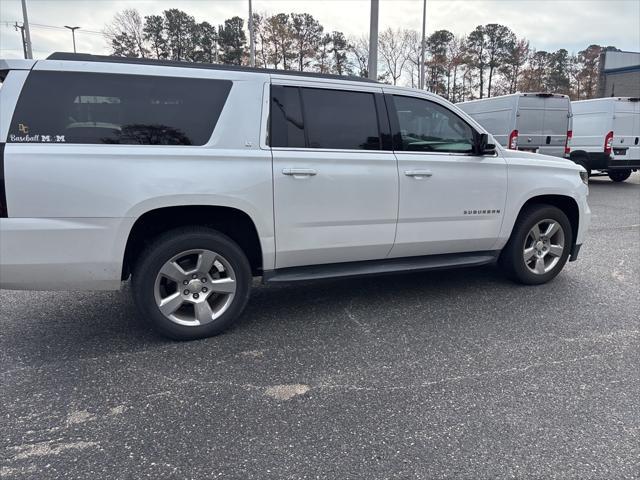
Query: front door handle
point(299, 172)
point(418, 174)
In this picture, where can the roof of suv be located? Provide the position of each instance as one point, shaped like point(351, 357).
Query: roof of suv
point(86, 57)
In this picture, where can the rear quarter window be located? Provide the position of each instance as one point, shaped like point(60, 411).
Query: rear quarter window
point(99, 108)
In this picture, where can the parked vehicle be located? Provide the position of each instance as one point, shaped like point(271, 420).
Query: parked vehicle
point(530, 122)
point(606, 133)
point(191, 179)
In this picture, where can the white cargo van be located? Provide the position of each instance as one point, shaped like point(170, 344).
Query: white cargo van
point(606, 135)
point(532, 122)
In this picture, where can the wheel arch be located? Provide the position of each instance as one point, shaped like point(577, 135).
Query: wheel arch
point(567, 204)
point(233, 222)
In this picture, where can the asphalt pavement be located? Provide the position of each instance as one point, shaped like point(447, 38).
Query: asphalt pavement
point(457, 374)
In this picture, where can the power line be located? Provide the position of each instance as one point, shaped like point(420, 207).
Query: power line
point(53, 27)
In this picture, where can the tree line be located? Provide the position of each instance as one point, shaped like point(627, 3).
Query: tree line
point(491, 60)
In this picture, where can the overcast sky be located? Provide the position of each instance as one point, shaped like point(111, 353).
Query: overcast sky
point(548, 24)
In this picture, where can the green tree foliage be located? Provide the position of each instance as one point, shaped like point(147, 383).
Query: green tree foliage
point(306, 32)
point(339, 48)
point(154, 33)
point(489, 61)
point(232, 40)
point(438, 49)
point(477, 50)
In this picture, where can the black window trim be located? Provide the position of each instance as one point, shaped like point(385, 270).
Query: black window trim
point(382, 113)
point(395, 125)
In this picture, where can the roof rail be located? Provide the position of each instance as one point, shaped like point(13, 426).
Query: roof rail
point(86, 57)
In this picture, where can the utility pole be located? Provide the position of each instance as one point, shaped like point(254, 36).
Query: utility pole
point(424, 43)
point(73, 34)
point(27, 34)
point(252, 47)
point(24, 43)
point(373, 41)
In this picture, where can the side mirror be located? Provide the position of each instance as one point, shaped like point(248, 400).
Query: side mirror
point(481, 145)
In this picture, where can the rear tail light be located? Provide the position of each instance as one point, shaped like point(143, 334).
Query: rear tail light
point(567, 148)
point(608, 142)
point(513, 140)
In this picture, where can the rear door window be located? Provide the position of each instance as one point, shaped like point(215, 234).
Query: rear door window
point(323, 118)
point(287, 127)
point(100, 108)
point(339, 119)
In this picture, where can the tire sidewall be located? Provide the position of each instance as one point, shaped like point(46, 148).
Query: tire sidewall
point(171, 244)
point(516, 247)
point(619, 175)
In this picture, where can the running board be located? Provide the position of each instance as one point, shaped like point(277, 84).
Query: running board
point(379, 267)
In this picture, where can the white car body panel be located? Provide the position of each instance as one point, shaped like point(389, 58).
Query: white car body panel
point(72, 206)
point(346, 212)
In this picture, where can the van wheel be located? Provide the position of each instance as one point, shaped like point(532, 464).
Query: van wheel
point(539, 245)
point(619, 175)
point(192, 283)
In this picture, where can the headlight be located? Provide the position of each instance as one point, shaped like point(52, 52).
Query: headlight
point(584, 176)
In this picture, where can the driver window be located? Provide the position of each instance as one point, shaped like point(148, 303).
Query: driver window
point(428, 127)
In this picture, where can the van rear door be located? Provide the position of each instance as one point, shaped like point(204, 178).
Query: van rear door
point(626, 130)
point(555, 125)
point(530, 121)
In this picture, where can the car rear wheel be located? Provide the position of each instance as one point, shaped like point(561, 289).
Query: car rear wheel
point(539, 245)
point(619, 175)
point(192, 283)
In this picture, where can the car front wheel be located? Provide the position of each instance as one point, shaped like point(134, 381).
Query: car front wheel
point(192, 283)
point(539, 245)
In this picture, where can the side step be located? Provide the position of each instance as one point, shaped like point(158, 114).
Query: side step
point(379, 267)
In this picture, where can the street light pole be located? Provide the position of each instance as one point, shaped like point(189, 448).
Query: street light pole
point(24, 42)
point(424, 43)
point(73, 35)
point(373, 41)
point(252, 47)
point(27, 33)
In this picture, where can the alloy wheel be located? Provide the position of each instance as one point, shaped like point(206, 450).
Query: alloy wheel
point(195, 287)
point(544, 246)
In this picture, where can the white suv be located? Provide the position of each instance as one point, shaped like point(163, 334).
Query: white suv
point(192, 179)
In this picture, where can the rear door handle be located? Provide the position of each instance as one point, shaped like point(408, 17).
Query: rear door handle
point(299, 172)
point(418, 174)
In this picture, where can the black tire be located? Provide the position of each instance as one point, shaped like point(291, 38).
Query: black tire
point(512, 256)
point(619, 175)
point(165, 248)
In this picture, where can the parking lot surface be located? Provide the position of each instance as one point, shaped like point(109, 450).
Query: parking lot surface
point(457, 374)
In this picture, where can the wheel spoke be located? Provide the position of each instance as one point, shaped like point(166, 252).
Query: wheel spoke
point(223, 285)
point(173, 271)
point(552, 229)
point(205, 261)
point(535, 232)
point(540, 265)
point(203, 312)
point(529, 253)
point(556, 250)
point(171, 303)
